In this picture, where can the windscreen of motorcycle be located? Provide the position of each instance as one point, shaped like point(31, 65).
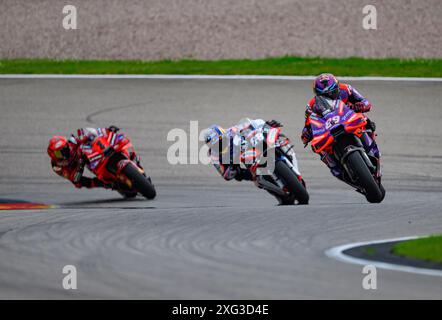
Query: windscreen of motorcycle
point(90, 133)
point(324, 105)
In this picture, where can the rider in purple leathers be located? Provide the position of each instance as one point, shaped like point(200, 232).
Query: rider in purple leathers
point(326, 85)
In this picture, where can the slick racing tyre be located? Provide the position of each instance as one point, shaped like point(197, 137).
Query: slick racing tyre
point(283, 200)
point(128, 194)
point(295, 187)
point(373, 192)
point(381, 187)
point(141, 183)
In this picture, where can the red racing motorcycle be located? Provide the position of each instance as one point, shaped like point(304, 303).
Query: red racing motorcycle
point(112, 159)
point(341, 133)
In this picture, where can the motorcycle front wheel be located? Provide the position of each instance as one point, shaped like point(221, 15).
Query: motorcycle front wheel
point(291, 181)
point(373, 192)
point(141, 183)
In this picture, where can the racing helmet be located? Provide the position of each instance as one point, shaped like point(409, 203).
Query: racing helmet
point(326, 85)
point(58, 148)
point(213, 138)
point(213, 134)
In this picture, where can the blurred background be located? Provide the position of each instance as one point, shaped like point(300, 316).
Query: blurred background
point(219, 29)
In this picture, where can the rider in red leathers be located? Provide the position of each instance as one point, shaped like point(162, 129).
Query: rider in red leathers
point(67, 159)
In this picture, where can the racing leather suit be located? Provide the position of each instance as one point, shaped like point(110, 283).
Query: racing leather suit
point(228, 168)
point(233, 169)
point(356, 102)
point(72, 168)
point(349, 96)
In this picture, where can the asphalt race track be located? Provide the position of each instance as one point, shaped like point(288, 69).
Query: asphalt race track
point(203, 238)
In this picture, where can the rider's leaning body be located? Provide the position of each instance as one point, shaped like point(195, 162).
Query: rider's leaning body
point(326, 85)
point(224, 146)
point(67, 159)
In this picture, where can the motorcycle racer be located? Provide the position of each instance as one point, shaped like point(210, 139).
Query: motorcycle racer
point(224, 144)
point(326, 85)
point(67, 159)
point(220, 141)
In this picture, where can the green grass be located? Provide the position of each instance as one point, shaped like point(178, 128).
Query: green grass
point(271, 66)
point(370, 251)
point(429, 249)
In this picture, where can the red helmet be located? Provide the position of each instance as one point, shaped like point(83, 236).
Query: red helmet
point(58, 148)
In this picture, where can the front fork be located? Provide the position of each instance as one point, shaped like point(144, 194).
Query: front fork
point(373, 154)
point(280, 187)
point(290, 158)
point(372, 162)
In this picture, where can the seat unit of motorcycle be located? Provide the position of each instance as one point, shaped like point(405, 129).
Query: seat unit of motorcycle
point(347, 144)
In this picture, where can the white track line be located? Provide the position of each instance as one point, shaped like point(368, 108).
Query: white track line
point(337, 253)
point(203, 77)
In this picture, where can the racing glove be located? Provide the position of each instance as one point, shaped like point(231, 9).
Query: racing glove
point(306, 135)
point(361, 107)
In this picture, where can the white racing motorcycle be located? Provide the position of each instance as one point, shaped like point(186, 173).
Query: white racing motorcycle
point(270, 158)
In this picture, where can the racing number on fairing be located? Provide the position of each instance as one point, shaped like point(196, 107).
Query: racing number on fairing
point(332, 121)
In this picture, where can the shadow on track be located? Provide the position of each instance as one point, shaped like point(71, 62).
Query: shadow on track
point(95, 204)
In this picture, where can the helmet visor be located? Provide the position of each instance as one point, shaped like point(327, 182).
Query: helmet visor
point(334, 94)
point(63, 153)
